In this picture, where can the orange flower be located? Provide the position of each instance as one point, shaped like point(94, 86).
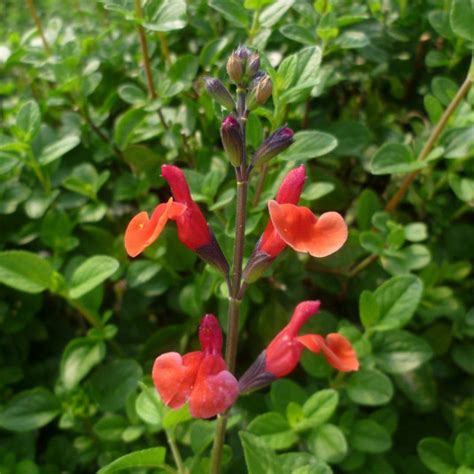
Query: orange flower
point(299, 228)
point(284, 352)
point(200, 377)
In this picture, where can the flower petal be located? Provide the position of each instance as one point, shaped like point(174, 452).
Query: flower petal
point(215, 389)
point(304, 232)
point(336, 348)
point(142, 231)
point(174, 376)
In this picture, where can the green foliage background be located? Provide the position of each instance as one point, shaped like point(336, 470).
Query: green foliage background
point(363, 83)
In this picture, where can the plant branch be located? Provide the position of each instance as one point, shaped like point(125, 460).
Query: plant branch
point(236, 281)
point(395, 200)
point(146, 60)
point(39, 26)
point(176, 454)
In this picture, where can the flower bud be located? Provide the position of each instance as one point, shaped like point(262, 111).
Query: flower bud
point(253, 65)
point(219, 93)
point(260, 90)
point(236, 64)
point(273, 145)
point(231, 136)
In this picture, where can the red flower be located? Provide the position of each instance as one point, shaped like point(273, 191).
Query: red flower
point(193, 230)
point(289, 192)
point(284, 351)
point(200, 377)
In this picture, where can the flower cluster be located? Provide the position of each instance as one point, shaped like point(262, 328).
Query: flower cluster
point(203, 378)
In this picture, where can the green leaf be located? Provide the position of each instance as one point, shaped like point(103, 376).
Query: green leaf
point(256, 4)
point(126, 125)
point(328, 443)
point(462, 187)
point(273, 13)
point(110, 427)
point(436, 455)
point(309, 144)
point(400, 351)
point(368, 436)
point(79, 357)
point(169, 16)
point(151, 457)
point(59, 148)
point(464, 449)
point(28, 120)
point(260, 459)
point(274, 429)
point(148, 406)
point(319, 408)
point(91, 274)
point(29, 410)
point(180, 76)
point(397, 300)
point(112, 383)
point(232, 11)
point(298, 33)
point(394, 158)
point(283, 392)
point(369, 311)
point(462, 18)
point(131, 94)
point(369, 387)
point(25, 271)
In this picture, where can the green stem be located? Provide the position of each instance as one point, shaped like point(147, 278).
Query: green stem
point(176, 454)
point(236, 281)
point(37, 170)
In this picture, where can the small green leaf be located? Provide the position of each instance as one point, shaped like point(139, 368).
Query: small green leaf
point(131, 94)
point(328, 443)
point(369, 311)
point(25, 271)
point(91, 274)
point(369, 387)
point(28, 120)
point(394, 158)
point(400, 351)
point(29, 410)
point(319, 408)
point(309, 144)
point(151, 457)
point(436, 455)
point(260, 459)
point(462, 18)
point(79, 357)
point(169, 16)
point(232, 10)
point(397, 300)
point(274, 429)
point(368, 436)
point(59, 148)
point(126, 125)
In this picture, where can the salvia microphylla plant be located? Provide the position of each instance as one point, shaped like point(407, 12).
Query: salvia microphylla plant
point(204, 378)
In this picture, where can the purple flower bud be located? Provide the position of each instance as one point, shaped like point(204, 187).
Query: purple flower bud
point(231, 135)
point(253, 65)
point(273, 145)
point(260, 90)
point(219, 93)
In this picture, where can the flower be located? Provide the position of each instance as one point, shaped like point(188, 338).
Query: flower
point(278, 141)
point(271, 244)
point(200, 377)
point(193, 230)
point(295, 226)
point(284, 351)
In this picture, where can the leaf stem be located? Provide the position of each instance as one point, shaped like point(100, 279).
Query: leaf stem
point(39, 26)
point(176, 454)
point(146, 60)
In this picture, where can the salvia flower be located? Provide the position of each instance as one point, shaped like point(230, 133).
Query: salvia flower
point(219, 93)
point(232, 141)
point(283, 353)
point(271, 244)
point(277, 142)
point(200, 378)
point(193, 230)
point(295, 226)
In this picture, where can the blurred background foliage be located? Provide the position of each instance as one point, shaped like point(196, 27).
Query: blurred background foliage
point(82, 139)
